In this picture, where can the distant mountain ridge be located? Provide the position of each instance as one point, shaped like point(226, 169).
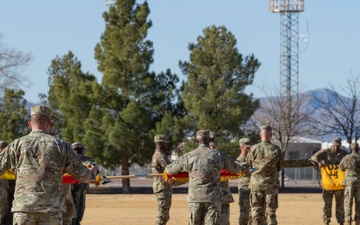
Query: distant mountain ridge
point(309, 97)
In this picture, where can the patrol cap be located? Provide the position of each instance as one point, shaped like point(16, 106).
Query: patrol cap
point(77, 145)
point(245, 142)
point(161, 138)
point(337, 141)
point(3, 144)
point(41, 110)
point(266, 127)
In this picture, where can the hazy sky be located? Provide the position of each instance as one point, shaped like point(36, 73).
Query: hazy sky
point(50, 28)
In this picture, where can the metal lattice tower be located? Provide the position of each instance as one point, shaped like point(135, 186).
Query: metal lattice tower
point(289, 44)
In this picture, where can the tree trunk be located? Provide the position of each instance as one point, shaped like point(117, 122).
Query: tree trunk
point(125, 171)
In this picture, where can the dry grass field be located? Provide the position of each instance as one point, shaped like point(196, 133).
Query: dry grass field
point(139, 209)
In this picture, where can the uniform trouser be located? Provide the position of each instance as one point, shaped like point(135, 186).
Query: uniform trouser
point(204, 213)
point(339, 198)
point(244, 206)
point(163, 199)
point(225, 214)
point(79, 196)
point(261, 201)
point(22, 218)
point(352, 193)
point(4, 195)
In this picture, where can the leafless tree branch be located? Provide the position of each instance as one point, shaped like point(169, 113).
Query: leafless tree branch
point(12, 63)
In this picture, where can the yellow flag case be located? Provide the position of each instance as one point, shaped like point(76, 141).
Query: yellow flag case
point(332, 177)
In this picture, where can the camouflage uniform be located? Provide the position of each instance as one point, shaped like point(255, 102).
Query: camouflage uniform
point(351, 165)
point(204, 165)
point(267, 160)
point(162, 190)
point(331, 157)
point(244, 194)
point(78, 191)
point(39, 197)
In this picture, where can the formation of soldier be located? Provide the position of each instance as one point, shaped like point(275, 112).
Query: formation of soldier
point(258, 191)
point(40, 159)
point(208, 196)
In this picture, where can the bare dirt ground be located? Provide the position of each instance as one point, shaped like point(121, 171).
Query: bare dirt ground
point(140, 209)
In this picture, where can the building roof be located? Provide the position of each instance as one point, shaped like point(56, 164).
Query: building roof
point(298, 139)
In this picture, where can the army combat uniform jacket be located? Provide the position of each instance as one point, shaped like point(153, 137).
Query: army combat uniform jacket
point(204, 165)
point(245, 179)
point(268, 160)
point(39, 161)
point(159, 162)
point(329, 156)
point(351, 165)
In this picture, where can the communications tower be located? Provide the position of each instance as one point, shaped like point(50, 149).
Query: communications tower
point(289, 44)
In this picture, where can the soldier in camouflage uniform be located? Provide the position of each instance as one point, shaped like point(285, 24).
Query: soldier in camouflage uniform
point(267, 160)
point(78, 191)
point(162, 190)
point(244, 190)
point(4, 193)
point(351, 165)
point(204, 165)
point(331, 156)
point(39, 162)
point(227, 196)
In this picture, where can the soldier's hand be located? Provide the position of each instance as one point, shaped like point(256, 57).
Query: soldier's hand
point(93, 169)
point(320, 165)
point(170, 181)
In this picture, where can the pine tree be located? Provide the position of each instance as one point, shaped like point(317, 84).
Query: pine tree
point(124, 57)
point(13, 115)
point(70, 96)
point(217, 75)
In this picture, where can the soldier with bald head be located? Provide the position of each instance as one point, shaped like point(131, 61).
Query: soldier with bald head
point(204, 165)
point(39, 161)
